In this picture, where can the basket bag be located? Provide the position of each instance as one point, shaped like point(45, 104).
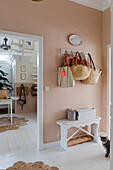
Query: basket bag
point(3, 94)
point(65, 77)
point(80, 71)
point(94, 75)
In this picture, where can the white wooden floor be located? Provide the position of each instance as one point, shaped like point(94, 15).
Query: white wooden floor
point(21, 138)
point(89, 156)
point(20, 145)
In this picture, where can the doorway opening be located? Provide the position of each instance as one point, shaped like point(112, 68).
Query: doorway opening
point(26, 67)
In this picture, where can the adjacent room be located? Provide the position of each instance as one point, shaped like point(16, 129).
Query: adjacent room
point(18, 68)
point(56, 84)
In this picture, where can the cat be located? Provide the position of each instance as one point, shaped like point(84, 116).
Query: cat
point(106, 145)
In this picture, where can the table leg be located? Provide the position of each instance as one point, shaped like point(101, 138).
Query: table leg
point(94, 131)
point(11, 115)
point(63, 141)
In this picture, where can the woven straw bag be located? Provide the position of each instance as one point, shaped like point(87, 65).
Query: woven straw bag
point(65, 80)
point(80, 72)
point(94, 75)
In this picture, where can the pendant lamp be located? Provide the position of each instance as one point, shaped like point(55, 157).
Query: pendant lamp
point(5, 46)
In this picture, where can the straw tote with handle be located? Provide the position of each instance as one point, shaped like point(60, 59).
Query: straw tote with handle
point(65, 77)
point(94, 75)
point(80, 71)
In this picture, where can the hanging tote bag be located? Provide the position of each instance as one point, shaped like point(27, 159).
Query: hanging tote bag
point(65, 77)
point(79, 70)
point(94, 75)
point(22, 92)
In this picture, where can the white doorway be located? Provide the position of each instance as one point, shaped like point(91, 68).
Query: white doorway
point(108, 90)
point(39, 41)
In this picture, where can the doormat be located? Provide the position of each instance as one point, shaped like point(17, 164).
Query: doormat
point(20, 165)
point(5, 123)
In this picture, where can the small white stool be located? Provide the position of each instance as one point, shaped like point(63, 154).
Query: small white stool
point(67, 124)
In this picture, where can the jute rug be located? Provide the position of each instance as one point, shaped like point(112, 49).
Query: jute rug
point(20, 165)
point(79, 140)
point(5, 123)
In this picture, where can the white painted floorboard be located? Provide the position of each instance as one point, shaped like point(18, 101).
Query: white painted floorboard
point(89, 156)
point(20, 145)
point(20, 138)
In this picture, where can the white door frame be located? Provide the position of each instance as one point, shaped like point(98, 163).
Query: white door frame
point(38, 39)
point(108, 88)
point(111, 134)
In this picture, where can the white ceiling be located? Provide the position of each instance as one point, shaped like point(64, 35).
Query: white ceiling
point(96, 4)
point(20, 49)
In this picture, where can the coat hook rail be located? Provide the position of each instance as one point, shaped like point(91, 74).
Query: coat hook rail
point(72, 51)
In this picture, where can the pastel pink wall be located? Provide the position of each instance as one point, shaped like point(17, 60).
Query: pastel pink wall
point(55, 20)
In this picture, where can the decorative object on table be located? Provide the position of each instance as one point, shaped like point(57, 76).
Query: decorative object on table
point(5, 123)
point(71, 114)
point(23, 68)
point(65, 78)
point(36, 165)
point(80, 71)
point(81, 114)
point(79, 140)
point(34, 90)
point(75, 40)
point(94, 74)
point(22, 96)
point(5, 46)
point(3, 94)
point(86, 114)
point(5, 85)
point(23, 76)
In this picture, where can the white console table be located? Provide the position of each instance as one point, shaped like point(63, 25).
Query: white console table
point(9, 103)
point(67, 124)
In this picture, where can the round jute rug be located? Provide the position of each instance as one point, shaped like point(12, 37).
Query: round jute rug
point(5, 123)
point(20, 165)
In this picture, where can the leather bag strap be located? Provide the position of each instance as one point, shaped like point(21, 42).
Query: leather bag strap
point(91, 61)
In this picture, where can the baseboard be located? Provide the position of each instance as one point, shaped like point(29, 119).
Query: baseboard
point(57, 143)
point(101, 133)
point(51, 145)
